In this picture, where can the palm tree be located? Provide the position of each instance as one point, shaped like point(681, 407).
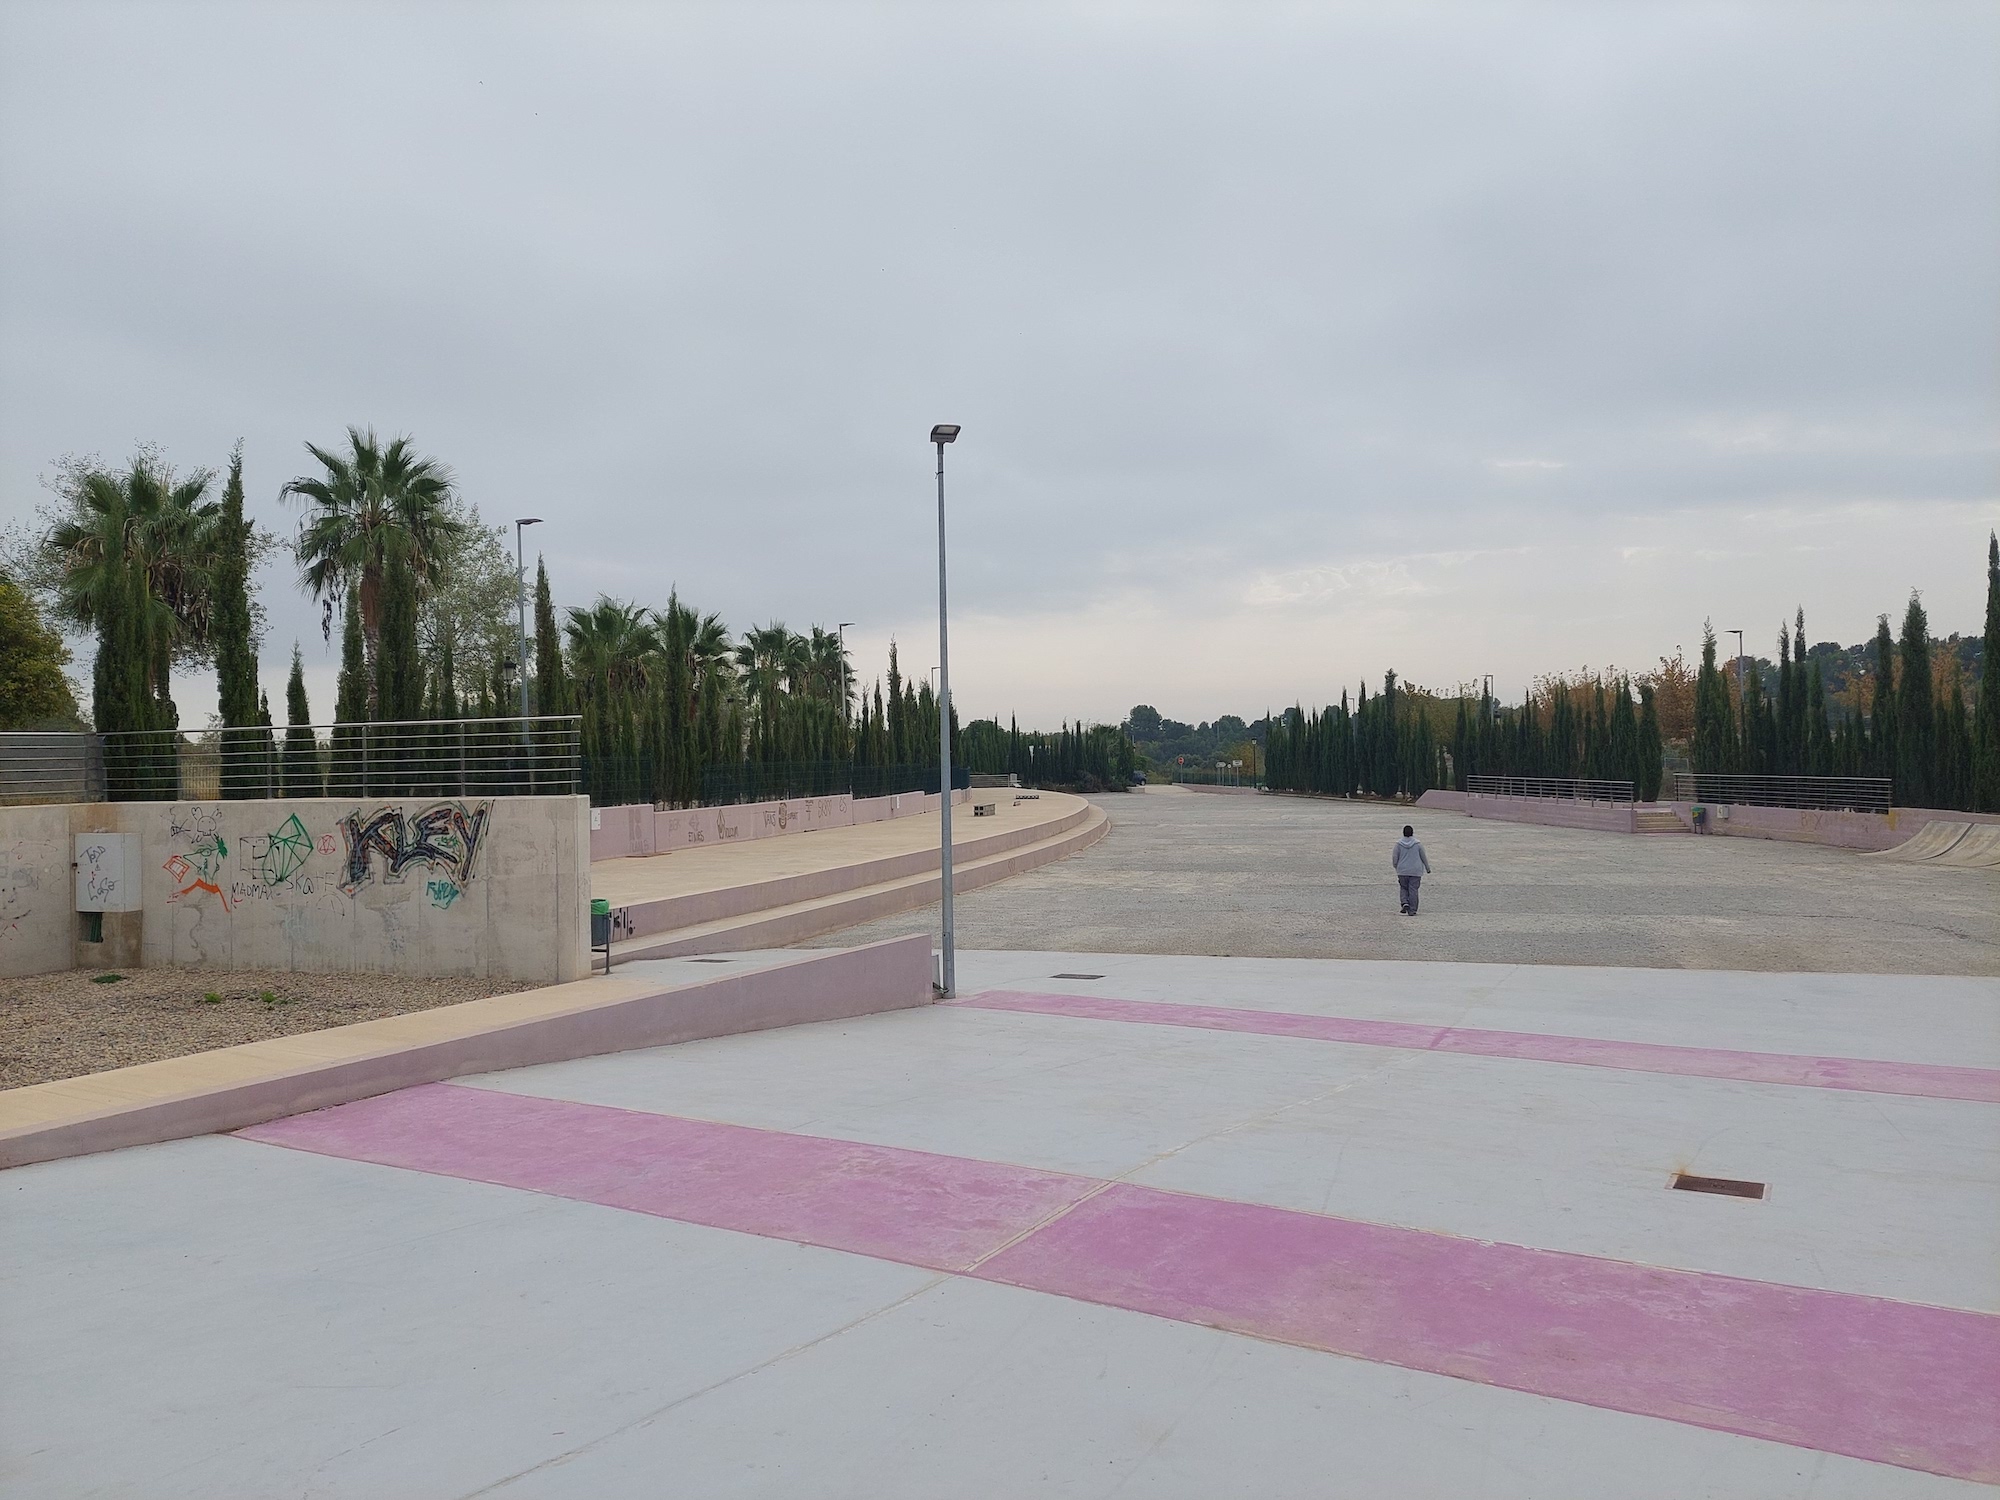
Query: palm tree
point(830, 675)
point(610, 644)
point(361, 498)
point(150, 519)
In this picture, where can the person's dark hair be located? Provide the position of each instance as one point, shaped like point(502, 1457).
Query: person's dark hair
point(1408, 832)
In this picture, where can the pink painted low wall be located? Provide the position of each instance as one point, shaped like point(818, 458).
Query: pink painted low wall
point(1603, 817)
point(622, 832)
point(1842, 830)
point(838, 985)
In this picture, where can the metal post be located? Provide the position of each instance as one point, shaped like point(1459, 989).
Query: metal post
point(521, 603)
point(948, 975)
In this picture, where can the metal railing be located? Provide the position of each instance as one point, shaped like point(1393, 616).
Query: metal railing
point(405, 758)
point(1814, 793)
point(60, 767)
point(1559, 788)
point(750, 781)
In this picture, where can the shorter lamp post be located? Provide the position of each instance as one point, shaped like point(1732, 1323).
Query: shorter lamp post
point(943, 433)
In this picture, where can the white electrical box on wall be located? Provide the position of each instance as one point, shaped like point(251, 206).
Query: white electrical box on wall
point(107, 872)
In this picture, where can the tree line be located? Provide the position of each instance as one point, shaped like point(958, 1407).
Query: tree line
point(670, 707)
point(1915, 727)
point(1916, 730)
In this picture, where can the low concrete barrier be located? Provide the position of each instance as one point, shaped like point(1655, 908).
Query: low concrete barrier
point(239, 1086)
point(1842, 830)
point(1602, 817)
point(622, 832)
point(673, 912)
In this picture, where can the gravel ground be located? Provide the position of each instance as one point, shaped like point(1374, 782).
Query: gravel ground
point(1292, 877)
point(63, 1025)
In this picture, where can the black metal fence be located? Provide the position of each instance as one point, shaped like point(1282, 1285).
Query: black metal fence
point(417, 758)
point(1815, 793)
point(1559, 788)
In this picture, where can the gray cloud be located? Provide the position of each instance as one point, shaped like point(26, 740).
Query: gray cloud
point(1249, 312)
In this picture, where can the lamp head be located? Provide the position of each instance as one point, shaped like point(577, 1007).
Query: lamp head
point(527, 520)
point(944, 432)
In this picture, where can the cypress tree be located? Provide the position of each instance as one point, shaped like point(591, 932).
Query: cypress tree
point(399, 686)
point(1714, 722)
point(345, 778)
point(235, 650)
point(1986, 720)
point(1882, 727)
point(1651, 752)
point(551, 695)
point(1916, 717)
point(301, 761)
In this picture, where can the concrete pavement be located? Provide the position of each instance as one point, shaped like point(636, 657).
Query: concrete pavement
point(1049, 1241)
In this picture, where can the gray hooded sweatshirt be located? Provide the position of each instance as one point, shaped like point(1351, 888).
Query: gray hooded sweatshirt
point(1408, 858)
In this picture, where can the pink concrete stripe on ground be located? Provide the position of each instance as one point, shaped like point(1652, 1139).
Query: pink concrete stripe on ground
point(1865, 1075)
point(940, 1212)
point(1865, 1377)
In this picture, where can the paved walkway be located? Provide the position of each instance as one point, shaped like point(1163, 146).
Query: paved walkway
point(1112, 1225)
point(1186, 872)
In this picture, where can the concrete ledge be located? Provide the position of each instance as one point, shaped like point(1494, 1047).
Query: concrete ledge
point(673, 913)
point(1443, 800)
point(778, 926)
point(1842, 830)
point(1600, 817)
point(238, 1086)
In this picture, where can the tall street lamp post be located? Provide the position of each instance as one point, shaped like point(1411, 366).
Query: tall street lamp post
point(521, 524)
point(846, 686)
point(944, 432)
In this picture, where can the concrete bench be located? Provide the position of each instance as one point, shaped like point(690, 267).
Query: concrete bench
point(985, 809)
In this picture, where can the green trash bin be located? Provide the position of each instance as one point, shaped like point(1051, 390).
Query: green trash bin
point(600, 923)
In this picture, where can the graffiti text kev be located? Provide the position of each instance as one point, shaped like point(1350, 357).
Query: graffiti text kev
point(443, 840)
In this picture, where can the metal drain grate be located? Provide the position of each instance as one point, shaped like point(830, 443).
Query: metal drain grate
point(1728, 1187)
point(1076, 976)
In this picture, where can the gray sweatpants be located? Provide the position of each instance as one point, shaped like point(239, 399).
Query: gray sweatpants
point(1408, 885)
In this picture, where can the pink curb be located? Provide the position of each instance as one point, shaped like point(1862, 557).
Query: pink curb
point(1864, 1075)
point(1866, 1377)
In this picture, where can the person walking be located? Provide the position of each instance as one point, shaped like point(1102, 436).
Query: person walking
point(1411, 867)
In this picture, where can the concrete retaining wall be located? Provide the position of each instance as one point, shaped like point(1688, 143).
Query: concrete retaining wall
point(238, 1086)
point(1603, 817)
point(493, 887)
point(621, 832)
point(1842, 830)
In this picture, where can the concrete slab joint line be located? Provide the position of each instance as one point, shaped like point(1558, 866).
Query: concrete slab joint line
point(1859, 1074)
point(238, 1086)
point(1867, 1377)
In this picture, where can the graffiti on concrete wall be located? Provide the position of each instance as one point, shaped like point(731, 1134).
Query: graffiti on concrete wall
point(19, 886)
point(197, 863)
point(443, 840)
point(296, 868)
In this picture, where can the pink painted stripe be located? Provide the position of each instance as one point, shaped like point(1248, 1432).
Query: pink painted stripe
point(1886, 1381)
point(1865, 1075)
point(941, 1212)
point(1866, 1377)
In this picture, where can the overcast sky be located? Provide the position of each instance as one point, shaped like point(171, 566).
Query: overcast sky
point(1290, 343)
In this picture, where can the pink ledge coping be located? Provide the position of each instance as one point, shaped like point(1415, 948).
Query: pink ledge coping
point(1864, 1075)
point(237, 1086)
point(1866, 1377)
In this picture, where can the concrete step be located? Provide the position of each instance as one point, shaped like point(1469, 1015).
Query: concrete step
point(779, 925)
point(1658, 822)
point(672, 914)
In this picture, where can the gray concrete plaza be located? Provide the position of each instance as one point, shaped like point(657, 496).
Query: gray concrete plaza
point(1294, 877)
